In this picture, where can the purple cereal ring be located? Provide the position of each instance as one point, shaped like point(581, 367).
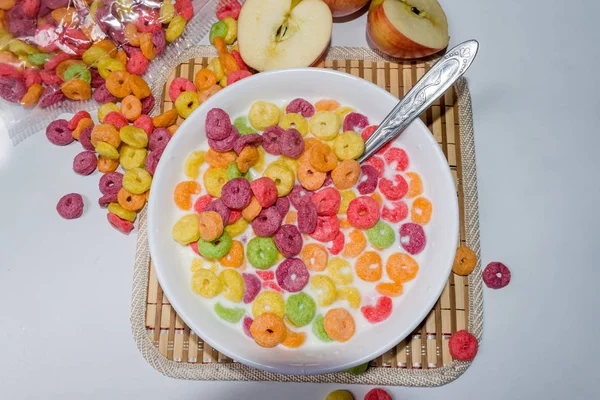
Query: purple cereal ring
point(367, 183)
point(307, 217)
point(102, 95)
point(236, 193)
point(85, 138)
point(292, 275)
point(19, 24)
point(300, 106)
point(85, 163)
point(54, 4)
point(51, 95)
point(217, 205)
point(151, 161)
point(70, 206)
point(288, 240)
point(283, 205)
point(158, 38)
point(218, 124)
point(105, 200)
point(267, 222)
point(252, 287)
point(292, 143)
point(299, 195)
point(253, 139)
point(355, 122)
point(412, 238)
point(58, 132)
point(97, 80)
point(12, 89)
point(496, 275)
point(111, 183)
point(159, 139)
point(226, 144)
point(147, 104)
point(272, 140)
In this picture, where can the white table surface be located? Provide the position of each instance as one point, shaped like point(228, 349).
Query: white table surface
point(65, 285)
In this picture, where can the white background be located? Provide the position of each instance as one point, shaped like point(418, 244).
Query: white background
point(65, 285)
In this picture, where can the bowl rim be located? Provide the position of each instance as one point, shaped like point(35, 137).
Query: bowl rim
point(295, 370)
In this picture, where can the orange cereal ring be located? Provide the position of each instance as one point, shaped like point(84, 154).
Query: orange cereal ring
point(121, 56)
point(131, 107)
point(310, 178)
point(64, 65)
point(356, 245)
point(210, 225)
point(108, 46)
point(77, 89)
point(415, 187)
point(339, 324)
point(252, 210)
point(391, 289)
point(33, 95)
point(81, 125)
point(346, 174)
point(117, 83)
point(139, 87)
point(130, 201)
point(465, 261)
point(248, 157)
point(291, 217)
point(172, 129)
point(106, 164)
point(235, 257)
point(132, 34)
point(205, 94)
point(420, 212)
point(315, 256)
point(401, 267)
point(308, 144)
point(268, 330)
point(65, 16)
point(183, 194)
point(293, 340)
point(369, 266)
point(105, 133)
point(165, 119)
point(345, 224)
point(219, 160)
point(322, 158)
point(327, 105)
point(147, 46)
point(204, 79)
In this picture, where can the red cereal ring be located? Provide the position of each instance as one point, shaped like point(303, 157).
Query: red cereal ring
point(264, 189)
point(367, 132)
point(376, 163)
point(327, 228)
point(363, 212)
point(378, 312)
point(78, 117)
point(396, 158)
point(70, 206)
point(235, 76)
point(377, 394)
point(116, 119)
point(180, 85)
point(327, 201)
point(240, 62)
point(393, 190)
point(463, 346)
point(184, 8)
point(202, 202)
point(396, 213)
point(355, 122)
point(337, 244)
point(119, 224)
point(144, 122)
point(496, 275)
point(31, 77)
point(229, 8)
point(147, 20)
point(137, 63)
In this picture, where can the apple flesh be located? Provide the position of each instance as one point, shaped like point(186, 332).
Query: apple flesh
point(407, 28)
point(341, 8)
point(275, 34)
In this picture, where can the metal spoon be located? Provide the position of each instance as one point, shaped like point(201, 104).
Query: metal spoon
point(427, 90)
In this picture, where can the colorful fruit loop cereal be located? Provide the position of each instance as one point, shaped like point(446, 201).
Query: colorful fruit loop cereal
point(463, 346)
point(347, 231)
point(377, 394)
point(496, 275)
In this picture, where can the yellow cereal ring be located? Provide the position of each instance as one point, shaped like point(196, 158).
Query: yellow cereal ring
point(192, 164)
point(133, 136)
point(296, 121)
point(263, 114)
point(105, 109)
point(340, 271)
point(268, 302)
point(347, 196)
point(348, 146)
point(107, 150)
point(137, 180)
point(214, 180)
point(325, 125)
point(130, 157)
point(233, 285)
point(186, 230)
point(325, 289)
point(206, 283)
point(282, 176)
point(122, 213)
point(237, 228)
point(343, 111)
point(351, 294)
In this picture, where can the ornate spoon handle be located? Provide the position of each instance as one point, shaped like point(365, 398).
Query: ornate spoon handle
point(428, 89)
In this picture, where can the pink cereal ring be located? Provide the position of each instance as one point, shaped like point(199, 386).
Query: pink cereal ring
point(85, 162)
point(235, 76)
point(58, 132)
point(496, 275)
point(229, 8)
point(70, 206)
point(300, 106)
point(180, 85)
point(119, 224)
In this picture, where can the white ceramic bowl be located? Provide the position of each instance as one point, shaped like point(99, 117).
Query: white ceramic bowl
point(171, 260)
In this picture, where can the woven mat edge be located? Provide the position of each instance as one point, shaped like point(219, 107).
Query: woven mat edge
point(373, 376)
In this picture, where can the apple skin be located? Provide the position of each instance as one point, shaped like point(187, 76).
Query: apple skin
point(341, 8)
point(389, 40)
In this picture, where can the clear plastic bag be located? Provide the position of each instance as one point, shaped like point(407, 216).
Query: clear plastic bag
point(54, 53)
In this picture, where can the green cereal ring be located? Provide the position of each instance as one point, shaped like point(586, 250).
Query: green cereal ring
point(233, 171)
point(218, 248)
point(79, 72)
point(318, 329)
point(219, 28)
point(381, 235)
point(232, 315)
point(359, 369)
point(261, 252)
point(38, 59)
point(300, 309)
point(242, 126)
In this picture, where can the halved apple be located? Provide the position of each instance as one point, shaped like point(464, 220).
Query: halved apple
point(407, 28)
point(276, 34)
point(341, 8)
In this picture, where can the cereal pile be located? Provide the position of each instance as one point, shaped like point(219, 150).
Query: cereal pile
point(333, 229)
point(373, 394)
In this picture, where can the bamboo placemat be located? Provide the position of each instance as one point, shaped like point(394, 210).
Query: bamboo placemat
point(422, 359)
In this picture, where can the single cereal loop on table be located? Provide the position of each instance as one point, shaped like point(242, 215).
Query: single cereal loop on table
point(130, 201)
point(186, 103)
point(309, 177)
point(496, 275)
point(235, 256)
point(319, 330)
point(122, 213)
point(210, 225)
point(391, 289)
point(282, 176)
point(214, 179)
point(131, 108)
point(350, 294)
point(165, 119)
point(183, 194)
point(268, 330)
point(237, 228)
point(415, 185)
point(345, 175)
point(248, 158)
point(232, 315)
point(401, 267)
point(268, 302)
point(300, 309)
point(261, 252)
point(137, 180)
point(348, 146)
point(339, 324)
point(294, 340)
point(296, 121)
point(340, 271)
point(463, 346)
point(204, 79)
point(369, 266)
point(346, 197)
point(325, 125)
point(206, 283)
point(315, 256)
point(465, 261)
point(252, 210)
point(192, 164)
point(232, 285)
point(377, 394)
point(322, 158)
point(76, 89)
point(421, 210)
point(263, 114)
point(356, 245)
point(327, 105)
point(85, 163)
point(325, 289)
point(186, 229)
point(219, 160)
point(381, 235)
point(107, 165)
point(70, 206)
point(107, 150)
point(117, 84)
